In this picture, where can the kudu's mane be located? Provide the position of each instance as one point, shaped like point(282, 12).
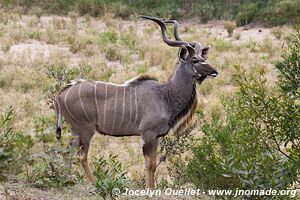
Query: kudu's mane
point(186, 114)
point(138, 80)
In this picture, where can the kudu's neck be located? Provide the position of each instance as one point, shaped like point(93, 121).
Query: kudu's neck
point(181, 93)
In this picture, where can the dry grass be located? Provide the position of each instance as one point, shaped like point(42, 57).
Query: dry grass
point(116, 51)
point(229, 26)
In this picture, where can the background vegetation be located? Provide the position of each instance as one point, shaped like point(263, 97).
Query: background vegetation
point(271, 12)
point(257, 144)
point(245, 132)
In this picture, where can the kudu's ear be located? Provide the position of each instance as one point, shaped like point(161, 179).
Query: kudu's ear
point(204, 52)
point(183, 53)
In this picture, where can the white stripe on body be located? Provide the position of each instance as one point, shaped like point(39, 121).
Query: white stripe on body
point(123, 108)
point(65, 103)
point(104, 113)
point(130, 108)
point(96, 101)
point(115, 107)
point(81, 103)
point(136, 106)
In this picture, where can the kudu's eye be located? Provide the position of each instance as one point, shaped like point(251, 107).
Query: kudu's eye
point(195, 60)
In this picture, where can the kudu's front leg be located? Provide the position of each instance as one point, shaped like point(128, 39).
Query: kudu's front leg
point(150, 144)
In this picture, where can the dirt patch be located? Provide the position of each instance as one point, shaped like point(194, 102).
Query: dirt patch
point(29, 53)
point(22, 191)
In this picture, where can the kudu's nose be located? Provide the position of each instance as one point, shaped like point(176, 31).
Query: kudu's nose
point(214, 74)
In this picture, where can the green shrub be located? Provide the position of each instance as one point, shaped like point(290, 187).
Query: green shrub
point(246, 11)
point(112, 53)
point(26, 86)
point(129, 40)
point(45, 128)
point(286, 11)
point(175, 149)
point(92, 7)
point(276, 32)
point(110, 174)
point(108, 37)
point(78, 43)
point(59, 6)
point(14, 146)
point(246, 14)
point(289, 69)
point(142, 69)
point(121, 10)
point(206, 10)
point(6, 80)
point(106, 74)
point(253, 45)
point(222, 45)
point(59, 76)
point(255, 146)
point(57, 167)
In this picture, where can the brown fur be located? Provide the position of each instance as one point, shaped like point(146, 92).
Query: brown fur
point(142, 78)
point(192, 105)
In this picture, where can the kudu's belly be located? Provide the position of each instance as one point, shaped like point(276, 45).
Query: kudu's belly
point(117, 123)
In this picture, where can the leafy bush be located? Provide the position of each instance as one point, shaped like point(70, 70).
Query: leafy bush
point(255, 146)
point(110, 174)
point(59, 76)
point(222, 45)
point(112, 53)
point(57, 167)
point(14, 146)
point(78, 43)
point(174, 148)
point(6, 80)
point(121, 10)
point(142, 69)
point(246, 14)
point(129, 40)
point(246, 11)
point(276, 32)
point(108, 37)
point(289, 69)
point(93, 7)
point(45, 129)
point(286, 11)
point(107, 73)
point(206, 10)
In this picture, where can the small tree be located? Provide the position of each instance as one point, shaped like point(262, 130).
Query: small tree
point(110, 176)
point(256, 146)
point(14, 146)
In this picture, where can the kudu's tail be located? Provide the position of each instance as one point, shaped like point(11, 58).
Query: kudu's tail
point(59, 119)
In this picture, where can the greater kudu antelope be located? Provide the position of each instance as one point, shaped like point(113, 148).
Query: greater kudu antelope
point(142, 106)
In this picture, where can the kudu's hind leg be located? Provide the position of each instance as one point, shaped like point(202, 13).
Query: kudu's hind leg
point(150, 144)
point(74, 141)
point(83, 141)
